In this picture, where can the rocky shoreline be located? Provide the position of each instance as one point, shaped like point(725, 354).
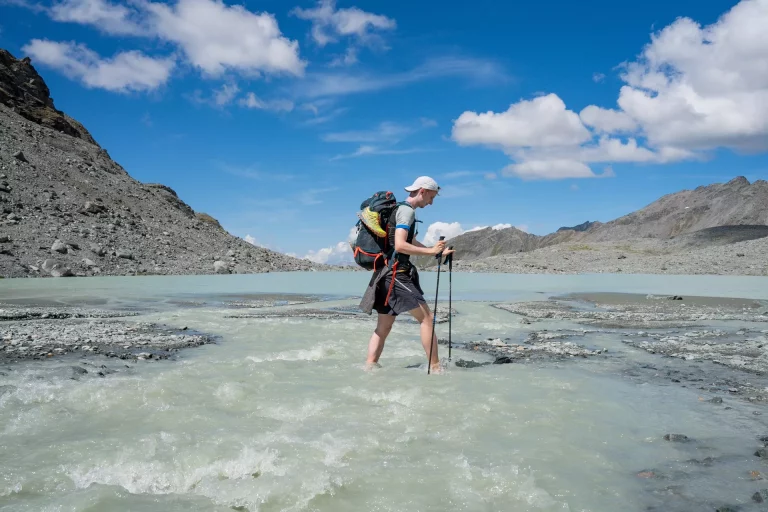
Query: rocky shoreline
point(43, 333)
point(727, 359)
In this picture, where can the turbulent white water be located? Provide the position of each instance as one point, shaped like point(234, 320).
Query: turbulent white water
point(280, 416)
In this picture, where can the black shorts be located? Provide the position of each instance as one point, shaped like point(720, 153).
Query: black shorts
point(406, 293)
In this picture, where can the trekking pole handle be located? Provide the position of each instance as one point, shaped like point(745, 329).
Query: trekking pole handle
point(440, 254)
point(449, 258)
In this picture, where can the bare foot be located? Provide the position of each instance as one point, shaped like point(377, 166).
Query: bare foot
point(369, 367)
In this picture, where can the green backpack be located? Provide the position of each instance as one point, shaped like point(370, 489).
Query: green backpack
point(372, 247)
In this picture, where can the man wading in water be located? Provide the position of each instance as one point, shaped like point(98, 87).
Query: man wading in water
point(398, 291)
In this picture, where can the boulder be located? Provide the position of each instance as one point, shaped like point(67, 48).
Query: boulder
point(59, 246)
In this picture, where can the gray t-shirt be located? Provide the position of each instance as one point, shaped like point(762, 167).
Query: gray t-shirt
point(404, 217)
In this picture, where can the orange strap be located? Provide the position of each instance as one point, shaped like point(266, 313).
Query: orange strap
point(391, 283)
point(376, 256)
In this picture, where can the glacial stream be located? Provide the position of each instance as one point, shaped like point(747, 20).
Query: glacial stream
point(279, 415)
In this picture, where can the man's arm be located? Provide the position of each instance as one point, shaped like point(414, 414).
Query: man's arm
point(403, 247)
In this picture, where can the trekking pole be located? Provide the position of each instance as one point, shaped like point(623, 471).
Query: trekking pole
point(434, 314)
point(449, 260)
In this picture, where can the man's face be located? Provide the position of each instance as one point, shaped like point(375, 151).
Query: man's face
point(428, 195)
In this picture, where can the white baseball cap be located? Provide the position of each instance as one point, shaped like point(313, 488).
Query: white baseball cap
point(424, 182)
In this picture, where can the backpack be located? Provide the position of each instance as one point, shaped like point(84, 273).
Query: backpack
point(372, 247)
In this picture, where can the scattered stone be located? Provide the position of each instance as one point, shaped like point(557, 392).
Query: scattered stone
point(20, 156)
point(59, 246)
point(93, 207)
point(59, 270)
point(125, 254)
point(676, 438)
point(220, 267)
point(760, 496)
point(4, 239)
point(97, 250)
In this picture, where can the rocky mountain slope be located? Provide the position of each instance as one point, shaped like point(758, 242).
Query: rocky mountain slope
point(745, 257)
point(66, 208)
point(708, 216)
point(735, 203)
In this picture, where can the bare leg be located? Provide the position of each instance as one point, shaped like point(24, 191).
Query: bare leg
point(423, 315)
point(379, 336)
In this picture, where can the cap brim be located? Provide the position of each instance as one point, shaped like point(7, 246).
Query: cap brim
point(413, 189)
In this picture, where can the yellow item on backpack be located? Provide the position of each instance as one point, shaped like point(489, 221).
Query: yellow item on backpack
point(371, 220)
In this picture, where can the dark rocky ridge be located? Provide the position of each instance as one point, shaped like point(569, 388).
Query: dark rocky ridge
point(23, 90)
point(66, 208)
point(584, 226)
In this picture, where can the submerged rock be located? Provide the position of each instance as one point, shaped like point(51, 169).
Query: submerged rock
point(462, 363)
point(760, 496)
point(676, 438)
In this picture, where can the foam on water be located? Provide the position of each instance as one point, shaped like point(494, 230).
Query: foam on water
point(313, 354)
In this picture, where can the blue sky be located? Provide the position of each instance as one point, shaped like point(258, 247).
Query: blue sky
point(278, 118)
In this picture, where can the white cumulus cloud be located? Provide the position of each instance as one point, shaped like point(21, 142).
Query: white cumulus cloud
point(337, 254)
point(540, 122)
point(216, 37)
point(454, 229)
point(106, 16)
point(126, 71)
point(438, 229)
point(211, 36)
point(697, 87)
point(329, 23)
point(607, 120)
point(692, 89)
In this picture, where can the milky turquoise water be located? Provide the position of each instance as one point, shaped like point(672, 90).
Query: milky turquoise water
point(280, 416)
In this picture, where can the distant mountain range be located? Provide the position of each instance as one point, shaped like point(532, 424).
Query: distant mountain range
point(714, 214)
